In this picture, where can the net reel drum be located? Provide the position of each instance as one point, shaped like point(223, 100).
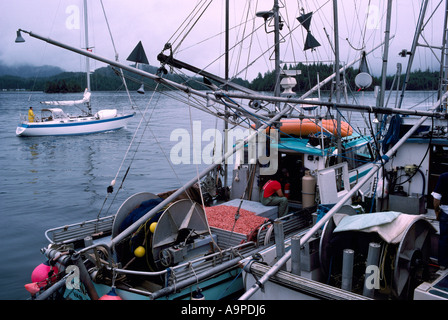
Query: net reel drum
point(403, 265)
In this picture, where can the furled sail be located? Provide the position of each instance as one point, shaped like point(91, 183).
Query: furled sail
point(85, 99)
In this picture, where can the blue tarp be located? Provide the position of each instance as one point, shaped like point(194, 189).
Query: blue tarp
point(139, 212)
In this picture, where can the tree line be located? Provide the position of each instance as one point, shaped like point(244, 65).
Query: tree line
point(108, 79)
point(419, 80)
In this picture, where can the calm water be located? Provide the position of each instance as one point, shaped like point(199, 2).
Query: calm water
point(47, 182)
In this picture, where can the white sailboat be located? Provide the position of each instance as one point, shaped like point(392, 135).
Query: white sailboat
point(55, 122)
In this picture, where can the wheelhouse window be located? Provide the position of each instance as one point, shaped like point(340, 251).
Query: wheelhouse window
point(358, 156)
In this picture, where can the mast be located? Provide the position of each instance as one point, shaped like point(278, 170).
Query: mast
point(418, 31)
point(386, 53)
point(86, 36)
point(338, 76)
point(226, 76)
point(277, 48)
point(444, 59)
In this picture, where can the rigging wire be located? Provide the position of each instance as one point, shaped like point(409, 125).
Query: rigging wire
point(193, 22)
point(116, 53)
point(45, 49)
point(245, 21)
point(200, 190)
point(112, 184)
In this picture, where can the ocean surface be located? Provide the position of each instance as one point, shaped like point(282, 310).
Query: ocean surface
point(47, 182)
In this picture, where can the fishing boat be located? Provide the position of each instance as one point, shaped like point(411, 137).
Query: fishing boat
point(55, 122)
point(388, 253)
point(187, 244)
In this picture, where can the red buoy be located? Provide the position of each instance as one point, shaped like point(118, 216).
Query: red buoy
point(112, 295)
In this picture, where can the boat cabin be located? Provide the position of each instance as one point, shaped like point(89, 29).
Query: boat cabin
point(316, 154)
point(50, 114)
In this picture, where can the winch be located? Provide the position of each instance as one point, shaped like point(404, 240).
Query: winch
point(404, 252)
point(182, 233)
point(175, 234)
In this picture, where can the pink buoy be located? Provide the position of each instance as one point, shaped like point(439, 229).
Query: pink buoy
point(44, 273)
point(112, 295)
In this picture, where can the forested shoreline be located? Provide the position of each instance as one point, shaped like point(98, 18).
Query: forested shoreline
point(107, 79)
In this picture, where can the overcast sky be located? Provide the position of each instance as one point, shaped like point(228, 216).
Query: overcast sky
point(154, 21)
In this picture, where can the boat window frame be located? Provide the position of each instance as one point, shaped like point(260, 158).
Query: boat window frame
point(52, 114)
point(356, 159)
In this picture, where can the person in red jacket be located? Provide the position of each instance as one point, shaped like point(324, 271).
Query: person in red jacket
point(272, 195)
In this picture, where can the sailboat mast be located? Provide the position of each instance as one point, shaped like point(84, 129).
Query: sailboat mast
point(86, 36)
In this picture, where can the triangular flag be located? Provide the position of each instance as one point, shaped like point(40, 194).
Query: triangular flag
point(310, 42)
point(305, 20)
point(138, 54)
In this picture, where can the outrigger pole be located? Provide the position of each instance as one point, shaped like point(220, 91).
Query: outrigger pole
point(339, 106)
point(206, 95)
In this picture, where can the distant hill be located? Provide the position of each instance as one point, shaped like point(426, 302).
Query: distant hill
point(56, 80)
point(29, 71)
point(53, 79)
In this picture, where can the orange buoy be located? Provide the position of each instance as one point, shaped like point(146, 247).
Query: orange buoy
point(305, 127)
point(111, 295)
point(32, 288)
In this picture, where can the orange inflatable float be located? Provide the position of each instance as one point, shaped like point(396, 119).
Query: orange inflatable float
point(305, 127)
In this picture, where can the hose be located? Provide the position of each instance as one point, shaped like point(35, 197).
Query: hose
point(393, 134)
point(424, 181)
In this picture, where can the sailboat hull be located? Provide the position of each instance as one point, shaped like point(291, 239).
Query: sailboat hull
point(72, 126)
